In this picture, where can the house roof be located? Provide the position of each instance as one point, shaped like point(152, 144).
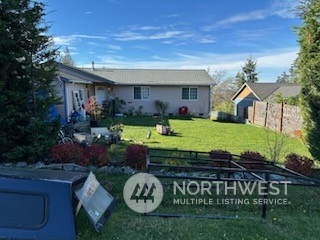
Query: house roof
point(73, 74)
point(153, 76)
point(263, 91)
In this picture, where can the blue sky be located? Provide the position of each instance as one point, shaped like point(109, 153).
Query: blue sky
point(180, 34)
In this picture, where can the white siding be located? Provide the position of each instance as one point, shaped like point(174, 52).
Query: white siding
point(171, 94)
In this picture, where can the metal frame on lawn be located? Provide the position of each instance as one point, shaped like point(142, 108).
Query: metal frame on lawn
point(201, 161)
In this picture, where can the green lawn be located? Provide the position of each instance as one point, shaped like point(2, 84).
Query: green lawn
point(200, 134)
point(298, 220)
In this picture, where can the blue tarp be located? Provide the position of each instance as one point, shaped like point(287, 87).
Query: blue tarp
point(54, 114)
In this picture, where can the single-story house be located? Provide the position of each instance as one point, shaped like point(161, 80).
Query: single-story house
point(138, 88)
point(266, 92)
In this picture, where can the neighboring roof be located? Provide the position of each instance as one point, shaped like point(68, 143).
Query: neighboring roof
point(262, 91)
point(153, 76)
point(291, 90)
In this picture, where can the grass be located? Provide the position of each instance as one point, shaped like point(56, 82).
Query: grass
point(298, 220)
point(200, 134)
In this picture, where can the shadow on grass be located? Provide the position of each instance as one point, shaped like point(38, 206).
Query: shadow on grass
point(142, 121)
point(188, 118)
point(226, 121)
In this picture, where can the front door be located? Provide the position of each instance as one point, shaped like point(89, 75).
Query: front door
point(101, 94)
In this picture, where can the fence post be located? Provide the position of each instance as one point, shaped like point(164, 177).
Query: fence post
point(254, 112)
point(281, 117)
point(266, 115)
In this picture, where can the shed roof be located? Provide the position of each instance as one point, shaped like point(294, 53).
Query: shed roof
point(266, 90)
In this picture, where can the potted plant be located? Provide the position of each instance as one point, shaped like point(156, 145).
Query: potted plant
point(94, 110)
point(161, 107)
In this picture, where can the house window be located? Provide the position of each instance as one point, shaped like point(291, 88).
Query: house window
point(189, 93)
point(141, 93)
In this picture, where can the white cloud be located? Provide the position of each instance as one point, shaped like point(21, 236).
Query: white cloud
point(142, 28)
point(62, 40)
point(284, 8)
point(174, 15)
point(114, 47)
point(131, 36)
point(156, 57)
point(206, 39)
point(280, 8)
point(250, 16)
point(69, 39)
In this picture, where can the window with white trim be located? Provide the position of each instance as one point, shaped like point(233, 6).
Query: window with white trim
point(189, 93)
point(141, 93)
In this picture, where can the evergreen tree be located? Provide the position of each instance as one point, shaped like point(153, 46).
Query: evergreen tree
point(248, 73)
point(283, 78)
point(26, 74)
point(293, 72)
point(309, 74)
point(66, 58)
point(291, 77)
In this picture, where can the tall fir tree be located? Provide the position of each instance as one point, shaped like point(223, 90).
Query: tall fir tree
point(248, 73)
point(309, 75)
point(26, 74)
point(291, 77)
point(283, 78)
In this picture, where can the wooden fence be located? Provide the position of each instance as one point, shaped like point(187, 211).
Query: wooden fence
point(279, 117)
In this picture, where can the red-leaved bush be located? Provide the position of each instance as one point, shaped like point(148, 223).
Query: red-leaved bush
point(254, 157)
point(299, 164)
point(96, 155)
point(66, 153)
point(135, 156)
point(216, 155)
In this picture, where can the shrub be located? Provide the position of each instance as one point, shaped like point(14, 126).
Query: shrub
point(66, 153)
point(299, 164)
point(135, 156)
point(160, 106)
point(97, 155)
point(248, 156)
point(220, 155)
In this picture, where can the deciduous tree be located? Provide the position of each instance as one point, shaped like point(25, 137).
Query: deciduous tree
point(66, 58)
point(225, 87)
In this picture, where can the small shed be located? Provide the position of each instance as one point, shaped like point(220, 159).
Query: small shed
point(267, 92)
